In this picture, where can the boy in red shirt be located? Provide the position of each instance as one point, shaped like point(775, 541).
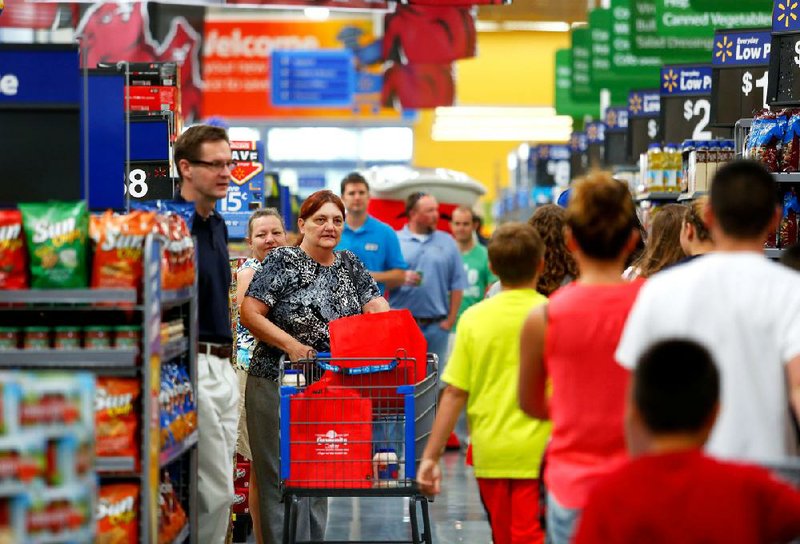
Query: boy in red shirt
point(672, 492)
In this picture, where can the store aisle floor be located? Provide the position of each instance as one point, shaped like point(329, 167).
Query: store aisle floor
point(457, 515)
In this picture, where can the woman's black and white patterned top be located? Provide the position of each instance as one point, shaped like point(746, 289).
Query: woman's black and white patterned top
point(304, 296)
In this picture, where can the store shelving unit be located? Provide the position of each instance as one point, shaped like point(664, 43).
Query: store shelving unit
point(657, 196)
point(686, 197)
point(143, 363)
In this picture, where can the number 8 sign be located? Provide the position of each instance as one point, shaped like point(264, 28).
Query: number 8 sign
point(149, 180)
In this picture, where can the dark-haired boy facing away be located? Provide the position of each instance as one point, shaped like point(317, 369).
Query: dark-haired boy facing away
point(672, 492)
point(483, 373)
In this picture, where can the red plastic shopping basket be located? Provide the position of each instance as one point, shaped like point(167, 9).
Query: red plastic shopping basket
point(330, 430)
point(385, 335)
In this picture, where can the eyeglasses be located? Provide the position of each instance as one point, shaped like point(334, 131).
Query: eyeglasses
point(413, 198)
point(219, 166)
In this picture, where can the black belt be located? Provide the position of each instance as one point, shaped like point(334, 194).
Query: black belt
point(424, 321)
point(223, 351)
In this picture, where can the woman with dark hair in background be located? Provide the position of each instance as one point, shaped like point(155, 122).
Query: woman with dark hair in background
point(559, 264)
point(695, 236)
point(663, 246)
point(287, 308)
point(570, 342)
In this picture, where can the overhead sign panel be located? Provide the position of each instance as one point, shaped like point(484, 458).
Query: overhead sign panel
point(320, 78)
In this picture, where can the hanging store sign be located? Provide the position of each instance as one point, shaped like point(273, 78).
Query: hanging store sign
point(675, 29)
point(740, 74)
point(644, 120)
point(237, 62)
point(246, 190)
point(321, 78)
point(686, 103)
point(784, 66)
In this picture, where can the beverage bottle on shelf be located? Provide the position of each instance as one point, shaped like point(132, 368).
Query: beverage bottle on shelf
point(699, 182)
point(672, 166)
point(655, 165)
point(712, 163)
point(687, 147)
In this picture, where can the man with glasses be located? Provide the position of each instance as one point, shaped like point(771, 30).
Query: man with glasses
point(373, 241)
point(435, 280)
point(203, 159)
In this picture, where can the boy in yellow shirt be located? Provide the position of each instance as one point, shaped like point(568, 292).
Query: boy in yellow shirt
point(482, 373)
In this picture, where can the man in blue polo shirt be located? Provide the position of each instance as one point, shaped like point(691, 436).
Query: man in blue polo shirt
point(373, 241)
point(435, 282)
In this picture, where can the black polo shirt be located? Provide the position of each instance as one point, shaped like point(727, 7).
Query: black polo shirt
point(213, 277)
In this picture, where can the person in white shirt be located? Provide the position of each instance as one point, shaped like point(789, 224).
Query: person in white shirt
point(743, 308)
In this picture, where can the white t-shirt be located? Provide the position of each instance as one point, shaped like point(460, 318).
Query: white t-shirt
point(745, 310)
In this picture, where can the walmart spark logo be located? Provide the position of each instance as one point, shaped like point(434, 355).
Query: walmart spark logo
point(591, 132)
point(723, 49)
point(786, 12)
point(611, 118)
point(670, 80)
point(635, 104)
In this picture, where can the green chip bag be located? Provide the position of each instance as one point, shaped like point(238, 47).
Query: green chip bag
point(57, 234)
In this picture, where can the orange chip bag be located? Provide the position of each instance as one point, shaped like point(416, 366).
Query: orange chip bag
point(13, 265)
point(118, 514)
point(116, 419)
point(118, 256)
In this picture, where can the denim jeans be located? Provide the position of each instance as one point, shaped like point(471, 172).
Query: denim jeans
point(437, 339)
point(561, 521)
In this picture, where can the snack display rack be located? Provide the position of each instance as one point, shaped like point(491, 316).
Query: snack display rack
point(177, 462)
point(784, 179)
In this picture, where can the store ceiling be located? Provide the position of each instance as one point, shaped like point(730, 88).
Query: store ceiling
point(536, 10)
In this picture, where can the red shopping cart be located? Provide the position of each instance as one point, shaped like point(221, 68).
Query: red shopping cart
point(355, 427)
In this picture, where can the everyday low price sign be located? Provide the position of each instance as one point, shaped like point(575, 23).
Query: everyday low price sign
point(686, 103)
point(740, 65)
point(644, 120)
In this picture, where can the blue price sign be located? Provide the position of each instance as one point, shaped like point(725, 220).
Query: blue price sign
point(322, 78)
point(617, 119)
point(786, 16)
point(685, 80)
point(246, 190)
point(644, 109)
point(686, 104)
point(740, 65)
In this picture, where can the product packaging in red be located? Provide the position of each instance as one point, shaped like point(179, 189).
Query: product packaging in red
point(387, 335)
point(241, 475)
point(241, 497)
point(154, 98)
point(330, 434)
point(13, 257)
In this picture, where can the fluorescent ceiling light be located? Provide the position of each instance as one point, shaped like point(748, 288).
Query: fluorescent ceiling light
point(522, 26)
point(317, 13)
point(491, 123)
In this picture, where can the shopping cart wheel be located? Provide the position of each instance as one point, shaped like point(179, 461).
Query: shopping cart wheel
point(412, 514)
point(290, 519)
point(427, 537)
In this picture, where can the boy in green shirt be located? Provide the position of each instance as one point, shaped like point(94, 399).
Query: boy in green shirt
point(482, 374)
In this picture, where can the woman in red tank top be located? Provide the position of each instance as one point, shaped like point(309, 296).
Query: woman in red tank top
point(570, 343)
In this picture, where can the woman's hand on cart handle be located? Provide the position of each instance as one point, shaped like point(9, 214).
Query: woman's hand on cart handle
point(299, 351)
point(429, 476)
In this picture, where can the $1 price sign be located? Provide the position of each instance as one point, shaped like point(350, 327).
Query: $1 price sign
point(740, 75)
